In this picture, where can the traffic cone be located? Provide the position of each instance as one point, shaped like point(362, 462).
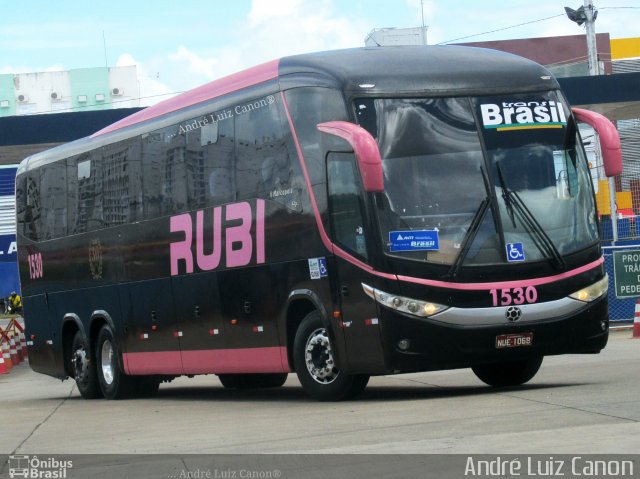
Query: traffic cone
point(15, 359)
point(6, 355)
point(636, 320)
point(16, 337)
point(23, 343)
point(3, 366)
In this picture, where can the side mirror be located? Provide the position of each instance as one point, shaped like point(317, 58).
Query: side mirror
point(609, 139)
point(365, 149)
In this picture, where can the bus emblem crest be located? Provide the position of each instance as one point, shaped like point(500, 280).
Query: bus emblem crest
point(95, 258)
point(513, 313)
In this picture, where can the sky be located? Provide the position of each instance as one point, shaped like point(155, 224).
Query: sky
point(178, 45)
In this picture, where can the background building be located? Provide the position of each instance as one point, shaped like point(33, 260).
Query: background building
point(396, 36)
point(81, 89)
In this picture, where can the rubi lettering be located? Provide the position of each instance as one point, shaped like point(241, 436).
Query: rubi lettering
point(181, 250)
point(207, 262)
point(237, 225)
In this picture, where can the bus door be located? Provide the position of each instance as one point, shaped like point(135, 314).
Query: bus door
point(201, 331)
point(349, 232)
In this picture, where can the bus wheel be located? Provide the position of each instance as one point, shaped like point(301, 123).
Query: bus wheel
point(510, 373)
point(113, 382)
point(314, 362)
point(252, 381)
point(83, 368)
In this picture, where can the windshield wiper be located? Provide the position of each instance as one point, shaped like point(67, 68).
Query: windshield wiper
point(506, 196)
point(517, 208)
point(474, 227)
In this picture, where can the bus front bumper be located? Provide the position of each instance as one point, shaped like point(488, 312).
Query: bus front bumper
point(418, 344)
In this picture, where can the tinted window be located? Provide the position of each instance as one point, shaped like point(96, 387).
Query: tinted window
point(346, 204)
point(432, 162)
point(28, 205)
point(121, 183)
point(308, 107)
point(262, 160)
point(53, 198)
point(218, 144)
point(89, 214)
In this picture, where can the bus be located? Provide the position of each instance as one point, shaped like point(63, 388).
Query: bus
point(340, 215)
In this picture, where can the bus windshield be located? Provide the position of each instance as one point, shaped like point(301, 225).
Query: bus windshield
point(513, 186)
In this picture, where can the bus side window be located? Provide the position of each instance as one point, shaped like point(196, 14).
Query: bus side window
point(53, 199)
point(28, 205)
point(346, 204)
point(157, 172)
point(218, 142)
point(121, 183)
point(263, 166)
point(89, 193)
point(309, 106)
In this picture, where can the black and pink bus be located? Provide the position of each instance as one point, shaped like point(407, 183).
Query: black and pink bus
point(341, 214)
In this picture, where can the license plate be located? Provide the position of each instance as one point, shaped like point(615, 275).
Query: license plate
point(514, 340)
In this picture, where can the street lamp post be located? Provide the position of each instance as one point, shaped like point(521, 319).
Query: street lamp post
point(592, 48)
point(587, 14)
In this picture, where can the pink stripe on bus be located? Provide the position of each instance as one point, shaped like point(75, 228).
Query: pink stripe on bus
point(237, 81)
point(157, 362)
point(208, 361)
point(504, 284)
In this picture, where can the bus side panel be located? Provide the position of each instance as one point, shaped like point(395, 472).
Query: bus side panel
point(197, 304)
point(45, 349)
point(151, 342)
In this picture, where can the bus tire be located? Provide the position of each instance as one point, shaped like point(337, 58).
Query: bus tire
point(114, 384)
point(83, 368)
point(509, 373)
point(252, 381)
point(314, 363)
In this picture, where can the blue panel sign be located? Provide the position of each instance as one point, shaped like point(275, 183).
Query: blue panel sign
point(515, 252)
point(8, 249)
point(419, 240)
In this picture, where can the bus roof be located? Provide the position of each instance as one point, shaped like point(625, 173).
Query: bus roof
point(434, 70)
point(398, 69)
point(401, 70)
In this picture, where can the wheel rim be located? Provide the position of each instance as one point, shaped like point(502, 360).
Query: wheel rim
point(80, 366)
point(107, 361)
point(319, 357)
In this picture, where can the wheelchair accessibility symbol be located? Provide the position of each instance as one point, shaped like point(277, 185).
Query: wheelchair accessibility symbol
point(515, 252)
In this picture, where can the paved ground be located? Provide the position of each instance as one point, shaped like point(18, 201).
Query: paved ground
point(575, 405)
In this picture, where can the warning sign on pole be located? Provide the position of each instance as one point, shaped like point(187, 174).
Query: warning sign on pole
point(626, 272)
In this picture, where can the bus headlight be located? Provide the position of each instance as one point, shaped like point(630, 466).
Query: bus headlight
point(411, 306)
point(592, 292)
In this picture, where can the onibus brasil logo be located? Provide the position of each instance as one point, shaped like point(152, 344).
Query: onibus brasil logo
point(36, 468)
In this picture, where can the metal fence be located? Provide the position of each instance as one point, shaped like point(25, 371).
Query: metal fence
point(619, 212)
